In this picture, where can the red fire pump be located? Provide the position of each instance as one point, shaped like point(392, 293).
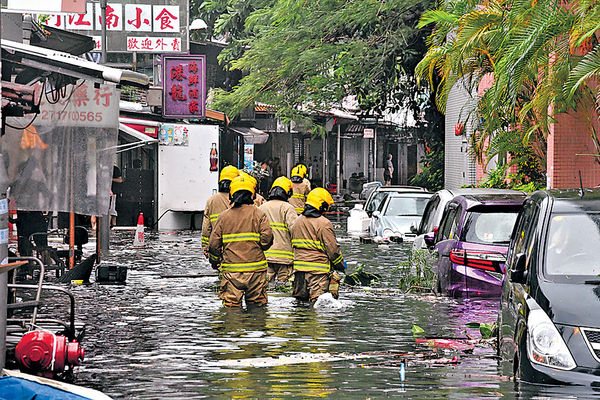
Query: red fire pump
point(45, 353)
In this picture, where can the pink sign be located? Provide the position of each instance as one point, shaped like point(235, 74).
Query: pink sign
point(184, 86)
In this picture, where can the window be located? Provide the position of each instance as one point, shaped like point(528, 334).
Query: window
point(427, 221)
point(376, 200)
point(409, 206)
point(489, 226)
point(572, 245)
point(446, 224)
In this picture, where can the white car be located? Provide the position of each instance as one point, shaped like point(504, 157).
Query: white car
point(392, 221)
point(435, 209)
point(360, 216)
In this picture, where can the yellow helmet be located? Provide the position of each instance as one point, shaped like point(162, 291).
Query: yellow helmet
point(250, 178)
point(284, 183)
point(242, 182)
point(303, 169)
point(228, 173)
point(320, 199)
point(297, 171)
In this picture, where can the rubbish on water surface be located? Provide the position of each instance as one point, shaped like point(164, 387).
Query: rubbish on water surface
point(326, 300)
point(384, 246)
point(417, 330)
point(360, 277)
point(300, 358)
point(460, 345)
point(403, 371)
point(77, 282)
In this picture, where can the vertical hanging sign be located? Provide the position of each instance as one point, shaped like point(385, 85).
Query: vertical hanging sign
point(184, 86)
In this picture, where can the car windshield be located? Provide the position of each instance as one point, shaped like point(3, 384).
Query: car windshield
point(572, 245)
point(398, 206)
point(489, 227)
point(376, 200)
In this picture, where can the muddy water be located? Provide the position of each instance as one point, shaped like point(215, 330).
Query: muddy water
point(170, 338)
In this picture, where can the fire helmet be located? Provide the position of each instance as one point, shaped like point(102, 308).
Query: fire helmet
point(284, 183)
point(228, 173)
point(242, 182)
point(298, 171)
point(320, 199)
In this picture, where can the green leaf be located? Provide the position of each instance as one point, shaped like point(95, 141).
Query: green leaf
point(417, 330)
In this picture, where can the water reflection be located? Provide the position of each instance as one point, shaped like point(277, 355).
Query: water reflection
point(160, 338)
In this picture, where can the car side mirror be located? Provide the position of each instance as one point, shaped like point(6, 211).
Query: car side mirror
point(429, 239)
point(413, 228)
point(376, 214)
point(518, 274)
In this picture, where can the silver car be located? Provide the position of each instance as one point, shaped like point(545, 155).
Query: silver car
point(395, 216)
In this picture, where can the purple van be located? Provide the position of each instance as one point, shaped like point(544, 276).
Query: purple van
point(472, 243)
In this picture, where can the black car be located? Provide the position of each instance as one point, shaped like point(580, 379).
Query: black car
point(549, 320)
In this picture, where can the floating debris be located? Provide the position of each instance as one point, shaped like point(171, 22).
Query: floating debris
point(361, 278)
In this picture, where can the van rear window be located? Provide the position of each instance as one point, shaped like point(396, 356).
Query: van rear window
point(489, 227)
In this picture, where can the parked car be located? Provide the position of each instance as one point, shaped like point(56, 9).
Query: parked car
point(472, 243)
point(434, 209)
point(549, 318)
point(396, 214)
point(360, 216)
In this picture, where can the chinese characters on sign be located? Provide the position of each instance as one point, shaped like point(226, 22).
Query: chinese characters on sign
point(154, 44)
point(161, 26)
point(184, 86)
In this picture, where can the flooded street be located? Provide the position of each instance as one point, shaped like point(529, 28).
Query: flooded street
point(170, 338)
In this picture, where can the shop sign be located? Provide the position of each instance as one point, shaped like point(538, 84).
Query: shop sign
point(149, 27)
point(184, 86)
point(369, 133)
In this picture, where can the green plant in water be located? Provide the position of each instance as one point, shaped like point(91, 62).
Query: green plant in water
point(416, 273)
point(487, 330)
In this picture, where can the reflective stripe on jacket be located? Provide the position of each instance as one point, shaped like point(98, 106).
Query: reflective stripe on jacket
point(301, 190)
point(281, 216)
point(315, 245)
point(239, 238)
point(215, 205)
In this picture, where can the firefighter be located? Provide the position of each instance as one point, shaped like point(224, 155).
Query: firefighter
point(301, 187)
point(316, 250)
point(282, 216)
point(236, 246)
point(258, 199)
point(217, 203)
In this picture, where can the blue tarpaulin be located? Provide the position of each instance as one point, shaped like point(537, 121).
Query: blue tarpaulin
point(12, 388)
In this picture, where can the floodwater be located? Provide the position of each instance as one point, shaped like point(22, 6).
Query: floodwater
point(170, 338)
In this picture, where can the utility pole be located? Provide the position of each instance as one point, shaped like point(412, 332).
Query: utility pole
point(103, 224)
point(103, 27)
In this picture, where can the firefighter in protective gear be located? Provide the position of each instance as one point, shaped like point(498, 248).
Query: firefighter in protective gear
point(236, 245)
point(217, 203)
point(316, 250)
point(282, 216)
point(301, 187)
point(258, 199)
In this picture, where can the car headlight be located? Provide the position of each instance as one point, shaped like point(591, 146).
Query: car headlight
point(545, 345)
point(387, 233)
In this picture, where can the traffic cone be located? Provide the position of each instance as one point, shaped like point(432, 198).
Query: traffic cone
point(138, 240)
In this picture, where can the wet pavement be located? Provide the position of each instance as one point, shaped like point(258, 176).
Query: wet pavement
point(170, 338)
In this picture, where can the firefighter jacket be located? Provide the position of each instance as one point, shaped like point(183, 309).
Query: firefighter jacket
point(315, 246)
point(239, 238)
point(259, 200)
point(216, 204)
point(301, 190)
point(281, 216)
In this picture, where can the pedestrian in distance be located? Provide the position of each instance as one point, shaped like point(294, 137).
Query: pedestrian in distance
point(316, 250)
point(301, 188)
point(217, 203)
point(281, 216)
point(388, 173)
point(236, 247)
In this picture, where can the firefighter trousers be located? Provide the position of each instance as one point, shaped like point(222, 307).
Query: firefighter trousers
point(236, 285)
point(310, 285)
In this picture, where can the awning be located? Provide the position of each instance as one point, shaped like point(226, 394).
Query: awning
point(251, 135)
point(67, 64)
point(134, 138)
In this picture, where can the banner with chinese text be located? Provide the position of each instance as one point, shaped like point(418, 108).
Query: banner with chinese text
point(184, 86)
